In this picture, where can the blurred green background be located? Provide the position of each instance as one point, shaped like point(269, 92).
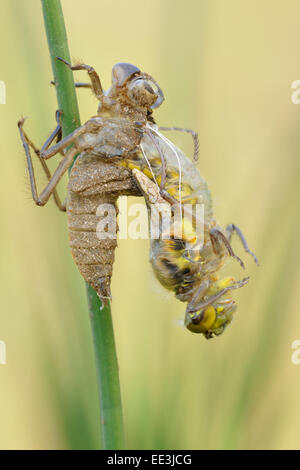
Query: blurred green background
point(226, 69)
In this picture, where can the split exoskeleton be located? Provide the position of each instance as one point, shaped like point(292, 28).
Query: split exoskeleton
point(122, 152)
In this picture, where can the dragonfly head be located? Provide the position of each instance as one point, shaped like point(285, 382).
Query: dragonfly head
point(139, 88)
point(212, 319)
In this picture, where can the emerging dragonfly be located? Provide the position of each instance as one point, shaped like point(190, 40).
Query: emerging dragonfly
point(122, 152)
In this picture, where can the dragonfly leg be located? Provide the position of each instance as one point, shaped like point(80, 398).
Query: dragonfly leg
point(50, 189)
point(91, 125)
point(219, 240)
point(57, 133)
point(163, 192)
point(77, 84)
point(198, 295)
point(82, 85)
point(193, 307)
point(189, 131)
point(234, 228)
point(95, 80)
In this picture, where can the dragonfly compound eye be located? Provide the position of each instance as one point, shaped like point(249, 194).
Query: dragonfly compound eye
point(202, 321)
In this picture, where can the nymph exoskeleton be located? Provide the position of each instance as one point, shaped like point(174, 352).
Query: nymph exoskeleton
point(97, 178)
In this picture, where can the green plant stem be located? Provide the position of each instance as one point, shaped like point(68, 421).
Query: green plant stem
point(101, 320)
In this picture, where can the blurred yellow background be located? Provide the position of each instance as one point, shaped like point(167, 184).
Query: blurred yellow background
point(226, 69)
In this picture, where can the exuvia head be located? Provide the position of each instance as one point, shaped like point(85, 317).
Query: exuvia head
point(136, 87)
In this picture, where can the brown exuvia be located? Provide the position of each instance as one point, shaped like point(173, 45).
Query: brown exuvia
point(111, 136)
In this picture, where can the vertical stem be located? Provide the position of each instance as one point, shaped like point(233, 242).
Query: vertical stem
point(101, 320)
point(63, 76)
point(108, 373)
